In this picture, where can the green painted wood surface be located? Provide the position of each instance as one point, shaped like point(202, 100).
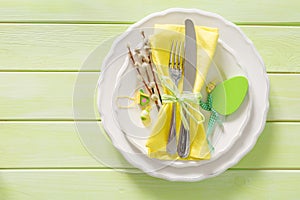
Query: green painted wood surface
point(49, 96)
point(57, 145)
point(40, 96)
point(109, 184)
point(274, 11)
point(64, 47)
point(42, 46)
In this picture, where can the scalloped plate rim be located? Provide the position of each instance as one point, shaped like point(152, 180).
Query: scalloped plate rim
point(254, 136)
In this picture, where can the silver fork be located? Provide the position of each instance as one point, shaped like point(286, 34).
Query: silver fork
point(175, 73)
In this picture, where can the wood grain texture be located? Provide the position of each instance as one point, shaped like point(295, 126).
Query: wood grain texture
point(278, 46)
point(46, 95)
point(50, 145)
point(48, 47)
point(57, 96)
point(57, 145)
point(52, 47)
point(109, 184)
point(120, 11)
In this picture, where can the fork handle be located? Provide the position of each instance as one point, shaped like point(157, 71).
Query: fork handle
point(172, 141)
point(183, 148)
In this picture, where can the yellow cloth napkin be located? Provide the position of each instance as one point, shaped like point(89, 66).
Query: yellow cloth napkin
point(207, 39)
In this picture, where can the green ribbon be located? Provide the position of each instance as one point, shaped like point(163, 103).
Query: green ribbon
point(185, 100)
point(214, 117)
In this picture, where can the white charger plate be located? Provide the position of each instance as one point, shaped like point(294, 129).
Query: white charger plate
point(250, 62)
point(224, 66)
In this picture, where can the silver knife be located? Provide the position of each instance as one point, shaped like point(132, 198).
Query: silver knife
point(190, 63)
point(190, 55)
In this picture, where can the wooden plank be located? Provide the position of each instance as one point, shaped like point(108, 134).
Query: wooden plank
point(278, 46)
point(275, 146)
point(46, 96)
point(50, 47)
point(283, 97)
point(109, 184)
point(50, 145)
point(113, 10)
point(57, 145)
point(45, 47)
point(57, 96)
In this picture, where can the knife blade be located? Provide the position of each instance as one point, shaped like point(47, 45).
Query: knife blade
point(190, 56)
point(190, 61)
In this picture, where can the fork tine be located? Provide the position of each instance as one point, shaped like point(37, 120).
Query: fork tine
point(179, 56)
point(175, 55)
point(171, 55)
point(182, 55)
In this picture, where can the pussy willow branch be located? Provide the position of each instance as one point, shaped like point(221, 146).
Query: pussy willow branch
point(140, 74)
point(138, 70)
point(148, 77)
point(152, 70)
point(154, 78)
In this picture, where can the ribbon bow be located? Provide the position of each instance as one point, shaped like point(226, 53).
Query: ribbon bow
point(186, 101)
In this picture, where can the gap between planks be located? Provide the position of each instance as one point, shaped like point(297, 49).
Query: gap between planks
point(96, 71)
point(99, 169)
point(66, 22)
point(99, 120)
point(127, 168)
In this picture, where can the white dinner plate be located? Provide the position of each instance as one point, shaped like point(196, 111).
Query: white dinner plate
point(224, 66)
point(250, 62)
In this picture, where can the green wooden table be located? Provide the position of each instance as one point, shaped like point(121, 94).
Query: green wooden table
point(43, 44)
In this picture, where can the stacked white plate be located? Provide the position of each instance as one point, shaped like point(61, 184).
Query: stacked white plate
point(235, 55)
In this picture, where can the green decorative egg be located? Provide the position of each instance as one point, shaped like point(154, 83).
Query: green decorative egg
point(229, 95)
